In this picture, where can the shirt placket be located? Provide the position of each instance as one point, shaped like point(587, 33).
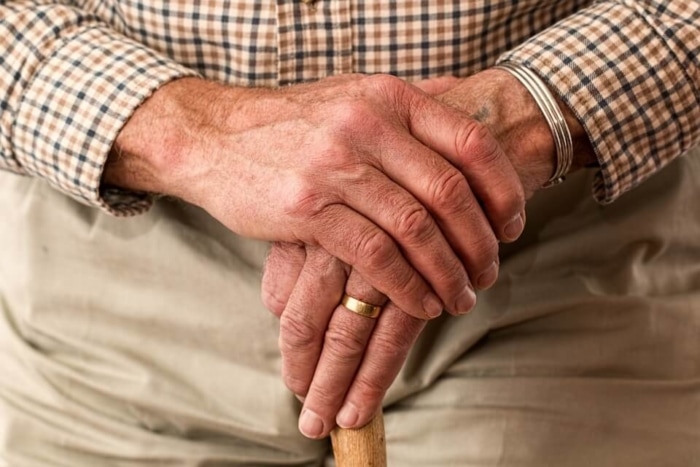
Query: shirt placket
point(314, 39)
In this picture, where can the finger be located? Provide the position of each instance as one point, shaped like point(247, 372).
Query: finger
point(343, 348)
point(399, 214)
point(283, 265)
point(358, 242)
point(386, 351)
point(304, 320)
point(445, 192)
point(461, 140)
point(470, 147)
point(435, 181)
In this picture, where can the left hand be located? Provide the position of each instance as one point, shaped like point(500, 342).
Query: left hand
point(345, 375)
point(341, 363)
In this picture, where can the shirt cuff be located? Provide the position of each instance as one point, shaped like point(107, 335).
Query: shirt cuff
point(632, 93)
point(76, 103)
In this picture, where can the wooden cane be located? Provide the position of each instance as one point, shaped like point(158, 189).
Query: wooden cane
point(363, 447)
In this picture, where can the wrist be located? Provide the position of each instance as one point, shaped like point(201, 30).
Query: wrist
point(521, 128)
point(502, 103)
point(162, 147)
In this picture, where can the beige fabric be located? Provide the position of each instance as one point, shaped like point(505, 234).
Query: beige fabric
point(586, 352)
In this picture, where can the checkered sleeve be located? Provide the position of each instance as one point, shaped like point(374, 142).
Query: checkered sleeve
point(630, 72)
point(68, 83)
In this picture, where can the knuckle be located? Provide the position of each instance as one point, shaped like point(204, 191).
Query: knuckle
point(395, 90)
point(453, 277)
point(503, 207)
point(325, 398)
point(376, 247)
point(343, 345)
point(371, 390)
point(477, 144)
point(481, 251)
point(306, 201)
point(377, 253)
point(414, 222)
point(344, 166)
point(470, 206)
point(361, 176)
point(282, 253)
point(303, 200)
point(297, 334)
point(486, 249)
point(349, 115)
point(386, 82)
point(405, 284)
point(392, 346)
point(506, 199)
point(450, 191)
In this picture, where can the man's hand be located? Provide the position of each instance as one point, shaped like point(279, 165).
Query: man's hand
point(404, 189)
point(341, 363)
point(337, 359)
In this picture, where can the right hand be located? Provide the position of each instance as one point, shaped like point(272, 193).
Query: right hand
point(371, 169)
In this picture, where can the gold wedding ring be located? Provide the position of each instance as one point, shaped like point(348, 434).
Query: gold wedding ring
point(361, 308)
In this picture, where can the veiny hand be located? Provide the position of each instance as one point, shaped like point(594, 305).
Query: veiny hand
point(404, 189)
point(368, 168)
point(338, 359)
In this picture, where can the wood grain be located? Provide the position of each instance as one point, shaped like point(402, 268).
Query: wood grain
point(363, 447)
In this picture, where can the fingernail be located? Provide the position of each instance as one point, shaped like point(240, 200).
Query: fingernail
point(466, 300)
point(432, 306)
point(488, 277)
point(514, 228)
point(310, 424)
point(348, 415)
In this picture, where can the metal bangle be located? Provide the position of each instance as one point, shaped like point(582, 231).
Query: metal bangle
point(553, 115)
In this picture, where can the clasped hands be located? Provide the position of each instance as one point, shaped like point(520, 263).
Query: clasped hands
point(445, 194)
point(393, 193)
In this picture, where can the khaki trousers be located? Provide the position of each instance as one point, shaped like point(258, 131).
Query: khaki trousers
point(143, 341)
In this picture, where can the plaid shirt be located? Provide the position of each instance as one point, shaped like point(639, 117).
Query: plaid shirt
point(72, 72)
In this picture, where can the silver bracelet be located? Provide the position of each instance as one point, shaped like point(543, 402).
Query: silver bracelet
point(552, 114)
